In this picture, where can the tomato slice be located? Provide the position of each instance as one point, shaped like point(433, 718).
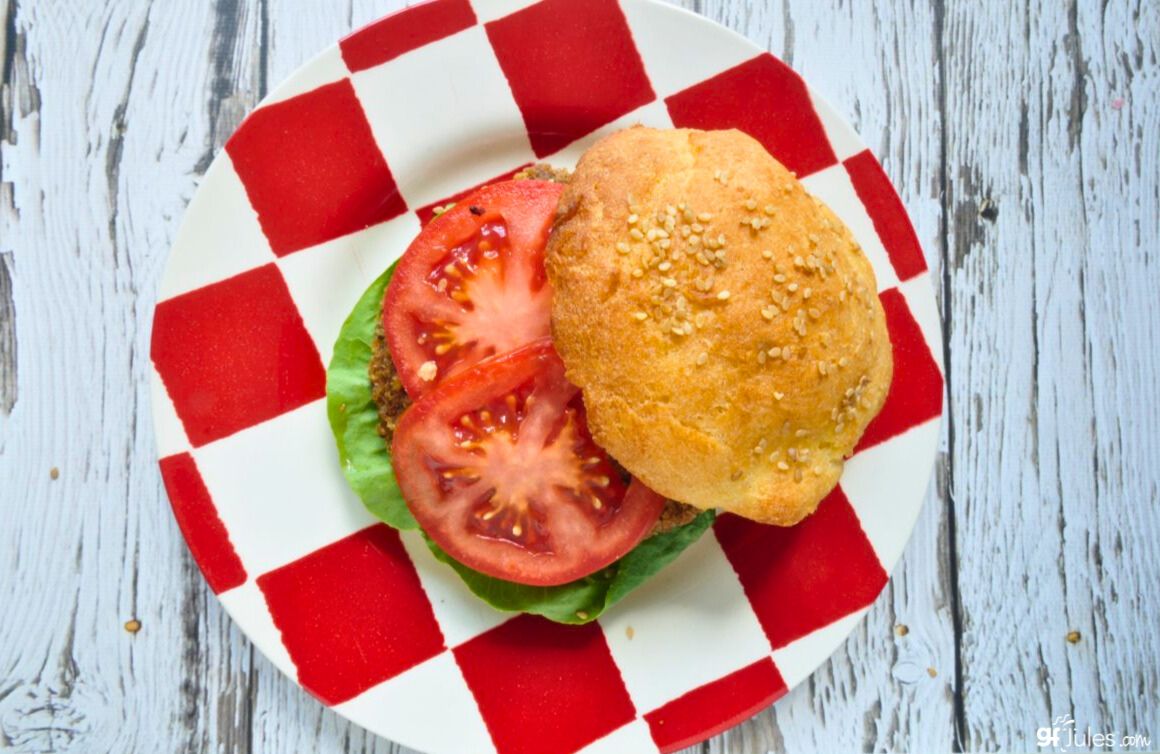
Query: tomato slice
point(498, 467)
point(472, 284)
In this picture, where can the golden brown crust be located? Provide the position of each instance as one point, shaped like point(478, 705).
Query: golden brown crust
point(736, 370)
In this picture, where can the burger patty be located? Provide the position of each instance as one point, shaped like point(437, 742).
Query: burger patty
point(392, 400)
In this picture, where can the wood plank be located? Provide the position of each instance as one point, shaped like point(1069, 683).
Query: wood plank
point(1052, 330)
point(100, 148)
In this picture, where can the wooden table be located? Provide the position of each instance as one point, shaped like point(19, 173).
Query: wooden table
point(1026, 143)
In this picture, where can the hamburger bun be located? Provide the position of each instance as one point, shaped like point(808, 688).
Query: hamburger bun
point(723, 324)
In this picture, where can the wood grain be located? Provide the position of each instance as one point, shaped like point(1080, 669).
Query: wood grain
point(1025, 142)
point(1054, 451)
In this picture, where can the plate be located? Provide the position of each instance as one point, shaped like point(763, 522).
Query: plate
point(318, 191)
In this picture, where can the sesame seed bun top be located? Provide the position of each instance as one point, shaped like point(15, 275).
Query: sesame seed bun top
point(722, 323)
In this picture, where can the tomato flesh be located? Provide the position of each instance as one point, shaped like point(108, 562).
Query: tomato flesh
point(497, 465)
point(472, 284)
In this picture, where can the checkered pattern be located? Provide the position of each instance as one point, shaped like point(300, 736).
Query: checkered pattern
point(320, 189)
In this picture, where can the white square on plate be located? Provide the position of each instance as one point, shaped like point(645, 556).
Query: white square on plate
point(444, 117)
point(796, 660)
point(923, 307)
point(428, 707)
point(326, 281)
point(843, 140)
point(886, 523)
point(680, 48)
point(460, 613)
point(491, 10)
point(634, 738)
point(220, 236)
point(170, 432)
point(833, 186)
point(247, 607)
point(279, 489)
point(690, 624)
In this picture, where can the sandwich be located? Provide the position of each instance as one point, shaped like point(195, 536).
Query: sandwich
point(565, 376)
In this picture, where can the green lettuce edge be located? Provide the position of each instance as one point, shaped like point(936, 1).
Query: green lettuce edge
point(366, 464)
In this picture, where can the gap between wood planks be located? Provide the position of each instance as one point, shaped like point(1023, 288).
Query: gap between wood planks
point(948, 480)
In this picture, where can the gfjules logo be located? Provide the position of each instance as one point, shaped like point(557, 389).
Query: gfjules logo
point(1064, 736)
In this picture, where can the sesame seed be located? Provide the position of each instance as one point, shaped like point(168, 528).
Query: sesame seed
point(721, 239)
point(670, 210)
point(786, 353)
point(813, 239)
point(774, 352)
point(637, 273)
point(640, 316)
point(798, 261)
point(651, 235)
point(777, 395)
point(702, 359)
point(779, 278)
point(705, 216)
point(678, 330)
point(797, 475)
point(694, 241)
point(664, 243)
point(723, 296)
point(769, 210)
point(623, 247)
point(767, 312)
point(767, 254)
point(792, 287)
point(841, 295)
point(814, 313)
point(807, 293)
point(636, 234)
point(668, 282)
point(782, 466)
point(802, 433)
point(750, 204)
point(664, 266)
point(842, 362)
point(697, 228)
point(761, 357)
point(633, 218)
point(792, 453)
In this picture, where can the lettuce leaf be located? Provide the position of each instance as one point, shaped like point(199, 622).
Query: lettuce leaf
point(366, 463)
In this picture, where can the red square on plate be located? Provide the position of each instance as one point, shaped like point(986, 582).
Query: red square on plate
point(543, 687)
point(235, 353)
point(572, 67)
point(716, 706)
point(398, 33)
point(312, 170)
point(766, 99)
point(352, 614)
point(916, 392)
point(887, 213)
point(199, 521)
point(801, 578)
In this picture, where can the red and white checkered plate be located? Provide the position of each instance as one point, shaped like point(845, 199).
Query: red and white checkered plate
point(315, 195)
